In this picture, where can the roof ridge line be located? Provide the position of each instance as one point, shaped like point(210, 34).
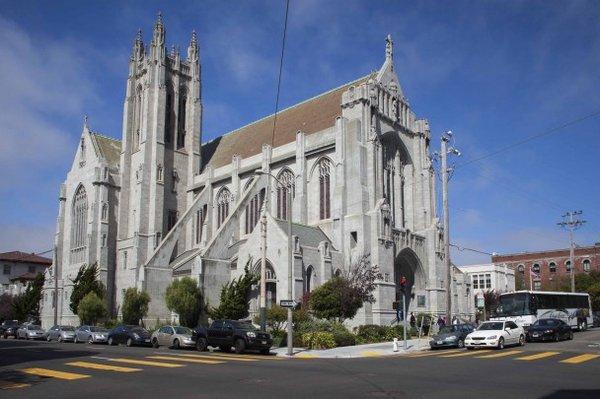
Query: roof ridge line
point(288, 108)
point(105, 136)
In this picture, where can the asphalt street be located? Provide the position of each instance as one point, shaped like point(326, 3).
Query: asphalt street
point(569, 369)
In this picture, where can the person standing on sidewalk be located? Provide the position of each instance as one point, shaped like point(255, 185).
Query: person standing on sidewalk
point(413, 320)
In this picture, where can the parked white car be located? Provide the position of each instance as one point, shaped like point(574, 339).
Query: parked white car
point(495, 334)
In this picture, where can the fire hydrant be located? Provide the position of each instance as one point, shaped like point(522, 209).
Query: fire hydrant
point(395, 344)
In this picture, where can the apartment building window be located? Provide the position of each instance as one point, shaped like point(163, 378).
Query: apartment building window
point(568, 266)
point(535, 268)
point(586, 265)
point(488, 280)
point(537, 285)
point(475, 279)
point(6, 269)
point(521, 269)
point(552, 267)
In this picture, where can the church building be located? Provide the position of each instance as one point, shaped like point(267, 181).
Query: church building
point(354, 163)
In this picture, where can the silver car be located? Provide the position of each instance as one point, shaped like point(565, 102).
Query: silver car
point(30, 331)
point(61, 333)
point(91, 334)
point(174, 337)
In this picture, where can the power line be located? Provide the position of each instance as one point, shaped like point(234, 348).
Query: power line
point(287, 7)
point(530, 138)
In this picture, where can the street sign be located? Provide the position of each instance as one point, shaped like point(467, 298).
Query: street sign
point(288, 303)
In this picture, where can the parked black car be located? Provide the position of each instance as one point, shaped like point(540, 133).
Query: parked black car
point(9, 328)
point(241, 335)
point(200, 337)
point(129, 335)
point(451, 336)
point(549, 330)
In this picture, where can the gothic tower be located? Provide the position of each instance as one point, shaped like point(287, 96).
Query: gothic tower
point(160, 149)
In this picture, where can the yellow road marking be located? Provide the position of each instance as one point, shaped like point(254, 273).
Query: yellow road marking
point(146, 362)
point(99, 366)
point(61, 375)
point(500, 354)
point(13, 385)
point(580, 359)
point(184, 359)
point(370, 353)
point(255, 357)
point(305, 356)
point(538, 356)
point(433, 353)
point(234, 358)
point(466, 353)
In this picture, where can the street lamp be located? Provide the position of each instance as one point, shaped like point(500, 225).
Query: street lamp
point(290, 350)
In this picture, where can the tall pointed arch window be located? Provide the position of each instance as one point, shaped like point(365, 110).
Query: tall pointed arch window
point(285, 187)
point(181, 117)
point(253, 209)
point(223, 200)
point(169, 115)
point(324, 170)
point(79, 219)
point(309, 277)
point(137, 118)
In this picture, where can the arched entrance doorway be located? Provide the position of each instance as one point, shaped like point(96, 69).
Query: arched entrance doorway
point(408, 266)
point(271, 286)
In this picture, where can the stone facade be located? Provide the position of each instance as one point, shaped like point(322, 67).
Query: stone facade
point(552, 267)
point(354, 160)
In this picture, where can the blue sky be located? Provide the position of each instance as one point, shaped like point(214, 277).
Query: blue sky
point(494, 72)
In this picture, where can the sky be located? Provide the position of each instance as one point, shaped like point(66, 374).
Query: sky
point(493, 72)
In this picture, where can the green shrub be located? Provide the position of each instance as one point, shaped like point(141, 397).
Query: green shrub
point(318, 340)
point(111, 323)
point(135, 306)
point(91, 309)
point(344, 338)
point(370, 333)
point(183, 297)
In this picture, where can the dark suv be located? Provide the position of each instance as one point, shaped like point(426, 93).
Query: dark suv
point(129, 335)
point(241, 335)
point(9, 328)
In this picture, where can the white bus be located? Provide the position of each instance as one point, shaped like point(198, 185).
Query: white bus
point(525, 307)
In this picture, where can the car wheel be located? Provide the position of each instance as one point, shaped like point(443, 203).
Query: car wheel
point(176, 344)
point(265, 351)
point(460, 343)
point(90, 340)
point(470, 348)
point(521, 340)
point(48, 339)
point(501, 343)
point(201, 344)
point(75, 340)
point(240, 346)
point(129, 342)
point(59, 339)
point(570, 336)
point(110, 341)
point(556, 337)
point(155, 343)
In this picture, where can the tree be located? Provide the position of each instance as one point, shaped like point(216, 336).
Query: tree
point(341, 297)
point(594, 291)
point(27, 305)
point(336, 299)
point(135, 306)
point(91, 309)
point(491, 300)
point(6, 307)
point(85, 282)
point(276, 318)
point(184, 298)
point(234, 297)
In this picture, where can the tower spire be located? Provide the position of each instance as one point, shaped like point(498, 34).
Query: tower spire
point(389, 47)
point(137, 52)
point(158, 38)
point(193, 48)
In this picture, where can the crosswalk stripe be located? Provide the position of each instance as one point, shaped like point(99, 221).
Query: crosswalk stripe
point(13, 385)
point(99, 366)
point(185, 359)
point(145, 362)
point(255, 357)
point(580, 359)
point(234, 358)
point(466, 353)
point(433, 353)
point(500, 354)
point(538, 356)
point(61, 375)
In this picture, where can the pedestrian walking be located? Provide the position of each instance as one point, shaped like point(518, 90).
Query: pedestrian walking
point(413, 320)
point(440, 322)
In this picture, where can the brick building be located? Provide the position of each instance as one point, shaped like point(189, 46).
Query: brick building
point(552, 266)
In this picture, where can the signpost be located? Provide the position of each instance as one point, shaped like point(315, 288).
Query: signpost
point(288, 303)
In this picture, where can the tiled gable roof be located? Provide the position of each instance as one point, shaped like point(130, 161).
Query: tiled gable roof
point(310, 116)
point(310, 236)
point(107, 148)
point(24, 257)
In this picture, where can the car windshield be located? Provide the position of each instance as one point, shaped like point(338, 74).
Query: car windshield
point(448, 329)
point(515, 305)
point(183, 330)
point(244, 325)
point(67, 328)
point(546, 323)
point(491, 326)
point(98, 329)
point(34, 327)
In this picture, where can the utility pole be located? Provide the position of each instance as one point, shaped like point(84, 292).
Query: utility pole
point(263, 267)
point(445, 150)
point(571, 222)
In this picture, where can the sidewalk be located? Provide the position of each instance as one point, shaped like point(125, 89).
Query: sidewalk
point(367, 350)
